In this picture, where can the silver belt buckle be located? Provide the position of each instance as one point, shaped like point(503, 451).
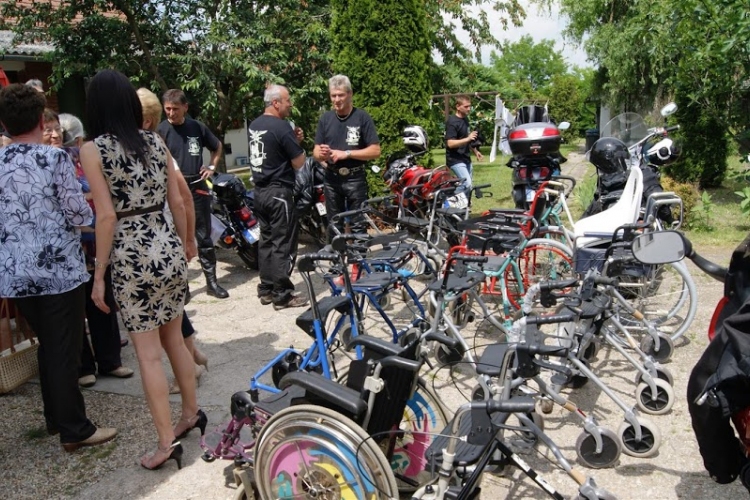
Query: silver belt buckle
point(343, 171)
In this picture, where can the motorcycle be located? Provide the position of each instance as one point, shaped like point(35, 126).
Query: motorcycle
point(233, 224)
point(626, 142)
point(413, 185)
point(310, 201)
point(535, 146)
point(718, 390)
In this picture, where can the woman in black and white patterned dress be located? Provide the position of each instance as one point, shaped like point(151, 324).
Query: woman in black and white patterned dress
point(131, 176)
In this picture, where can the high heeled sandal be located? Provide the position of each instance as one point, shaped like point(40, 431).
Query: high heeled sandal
point(174, 452)
point(174, 387)
point(200, 421)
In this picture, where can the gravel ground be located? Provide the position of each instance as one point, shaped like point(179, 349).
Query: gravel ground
point(238, 334)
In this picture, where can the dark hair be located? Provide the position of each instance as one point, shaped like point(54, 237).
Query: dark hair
point(50, 115)
point(174, 95)
point(113, 107)
point(21, 107)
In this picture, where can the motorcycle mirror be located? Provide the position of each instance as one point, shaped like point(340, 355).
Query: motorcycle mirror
point(669, 109)
point(563, 126)
point(659, 247)
point(375, 169)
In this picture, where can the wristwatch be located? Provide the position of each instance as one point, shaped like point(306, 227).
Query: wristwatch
point(211, 167)
point(348, 153)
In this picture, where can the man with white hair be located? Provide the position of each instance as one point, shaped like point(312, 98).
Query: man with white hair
point(37, 84)
point(274, 155)
point(345, 141)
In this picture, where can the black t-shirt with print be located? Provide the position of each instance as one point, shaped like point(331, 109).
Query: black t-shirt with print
point(186, 143)
point(271, 145)
point(457, 128)
point(357, 131)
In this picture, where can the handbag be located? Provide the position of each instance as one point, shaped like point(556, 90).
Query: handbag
point(18, 348)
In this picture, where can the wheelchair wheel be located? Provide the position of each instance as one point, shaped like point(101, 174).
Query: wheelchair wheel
point(309, 451)
point(655, 406)
point(424, 417)
point(668, 297)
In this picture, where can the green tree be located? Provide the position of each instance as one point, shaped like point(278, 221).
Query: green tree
point(693, 50)
point(529, 64)
point(384, 48)
point(564, 103)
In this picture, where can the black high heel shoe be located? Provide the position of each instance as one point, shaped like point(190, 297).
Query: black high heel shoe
point(201, 420)
point(174, 452)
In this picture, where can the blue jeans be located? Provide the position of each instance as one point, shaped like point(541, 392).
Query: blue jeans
point(463, 172)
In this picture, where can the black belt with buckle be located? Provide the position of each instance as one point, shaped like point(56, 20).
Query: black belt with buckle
point(346, 172)
point(140, 211)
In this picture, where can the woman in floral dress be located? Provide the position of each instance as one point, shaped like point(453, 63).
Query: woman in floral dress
point(131, 176)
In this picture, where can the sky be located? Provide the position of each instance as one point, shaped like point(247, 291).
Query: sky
point(540, 25)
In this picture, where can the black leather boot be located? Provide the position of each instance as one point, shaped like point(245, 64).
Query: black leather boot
point(208, 263)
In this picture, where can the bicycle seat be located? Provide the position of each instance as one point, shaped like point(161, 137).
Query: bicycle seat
point(340, 303)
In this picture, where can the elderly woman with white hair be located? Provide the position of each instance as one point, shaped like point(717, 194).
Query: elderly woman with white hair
point(104, 328)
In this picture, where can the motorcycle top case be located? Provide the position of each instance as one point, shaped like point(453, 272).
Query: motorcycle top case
point(229, 188)
point(536, 138)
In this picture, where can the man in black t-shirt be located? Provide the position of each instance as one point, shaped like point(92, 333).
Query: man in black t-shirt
point(345, 141)
point(458, 141)
point(274, 155)
point(186, 139)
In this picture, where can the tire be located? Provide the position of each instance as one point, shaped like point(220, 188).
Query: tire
point(541, 260)
point(666, 347)
point(306, 450)
point(664, 398)
point(649, 444)
point(586, 449)
point(669, 299)
point(249, 256)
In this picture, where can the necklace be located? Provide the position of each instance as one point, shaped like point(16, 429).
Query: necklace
point(343, 118)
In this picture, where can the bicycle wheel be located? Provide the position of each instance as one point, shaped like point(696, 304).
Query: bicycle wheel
point(668, 298)
point(541, 260)
point(309, 451)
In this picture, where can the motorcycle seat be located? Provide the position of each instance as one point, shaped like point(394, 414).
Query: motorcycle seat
point(340, 303)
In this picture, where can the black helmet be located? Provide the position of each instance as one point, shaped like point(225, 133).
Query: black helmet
point(609, 155)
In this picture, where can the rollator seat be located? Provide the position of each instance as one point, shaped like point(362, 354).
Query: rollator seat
point(458, 284)
point(491, 360)
point(494, 263)
point(341, 303)
point(376, 281)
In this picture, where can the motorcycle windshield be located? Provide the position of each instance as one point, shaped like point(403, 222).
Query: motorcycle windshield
point(627, 127)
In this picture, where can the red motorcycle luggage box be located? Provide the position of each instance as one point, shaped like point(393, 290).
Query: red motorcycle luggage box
point(534, 139)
